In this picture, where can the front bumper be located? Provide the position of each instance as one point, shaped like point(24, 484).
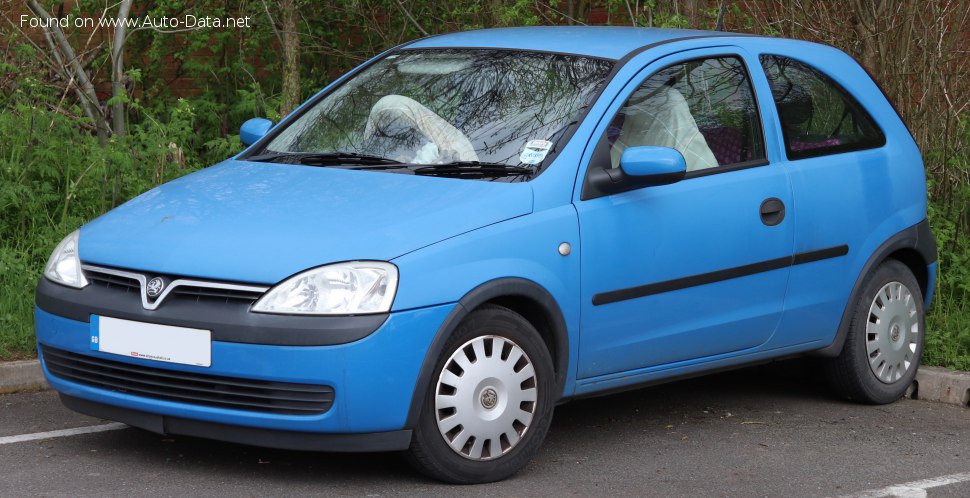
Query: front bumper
point(373, 381)
point(268, 438)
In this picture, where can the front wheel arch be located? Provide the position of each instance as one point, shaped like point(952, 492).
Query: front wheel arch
point(523, 296)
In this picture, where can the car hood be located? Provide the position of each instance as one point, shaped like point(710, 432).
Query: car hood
point(261, 222)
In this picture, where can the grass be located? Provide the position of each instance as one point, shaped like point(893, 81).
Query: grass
point(17, 281)
point(948, 333)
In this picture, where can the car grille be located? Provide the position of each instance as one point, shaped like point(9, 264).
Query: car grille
point(171, 385)
point(128, 281)
point(113, 281)
point(202, 293)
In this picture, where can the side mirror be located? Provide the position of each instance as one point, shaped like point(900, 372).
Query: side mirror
point(254, 129)
point(649, 166)
point(642, 166)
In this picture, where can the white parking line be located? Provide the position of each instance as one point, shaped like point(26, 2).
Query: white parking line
point(915, 489)
point(61, 433)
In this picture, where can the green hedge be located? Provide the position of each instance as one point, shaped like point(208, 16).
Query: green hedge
point(54, 176)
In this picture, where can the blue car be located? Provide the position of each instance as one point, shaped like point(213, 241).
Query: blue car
point(469, 229)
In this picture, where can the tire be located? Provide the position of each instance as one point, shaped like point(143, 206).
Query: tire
point(881, 355)
point(484, 400)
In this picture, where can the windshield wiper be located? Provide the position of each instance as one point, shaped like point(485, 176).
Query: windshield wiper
point(367, 161)
point(322, 158)
point(473, 168)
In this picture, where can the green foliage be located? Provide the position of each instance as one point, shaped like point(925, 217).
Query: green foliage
point(54, 176)
point(647, 14)
point(948, 336)
point(948, 323)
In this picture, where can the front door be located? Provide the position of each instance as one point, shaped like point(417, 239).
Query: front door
point(694, 269)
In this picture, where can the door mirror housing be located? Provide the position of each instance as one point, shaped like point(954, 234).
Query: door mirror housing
point(642, 166)
point(252, 130)
point(649, 165)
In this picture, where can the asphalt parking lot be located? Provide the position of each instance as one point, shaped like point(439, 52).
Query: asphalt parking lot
point(764, 431)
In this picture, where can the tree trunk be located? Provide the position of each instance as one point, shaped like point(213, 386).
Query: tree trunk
point(579, 10)
point(692, 10)
point(291, 57)
point(118, 70)
point(721, 12)
point(870, 18)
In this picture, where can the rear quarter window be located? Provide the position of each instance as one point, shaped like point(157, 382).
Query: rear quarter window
point(818, 116)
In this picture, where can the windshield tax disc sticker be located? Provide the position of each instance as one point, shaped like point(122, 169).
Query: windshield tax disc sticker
point(535, 151)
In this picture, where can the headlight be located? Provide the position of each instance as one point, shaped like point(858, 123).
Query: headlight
point(352, 288)
point(64, 267)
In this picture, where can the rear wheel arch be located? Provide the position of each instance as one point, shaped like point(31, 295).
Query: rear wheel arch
point(915, 247)
point(525, 297)
point(916, 263)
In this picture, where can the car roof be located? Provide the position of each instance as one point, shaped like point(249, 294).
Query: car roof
point(611, 42)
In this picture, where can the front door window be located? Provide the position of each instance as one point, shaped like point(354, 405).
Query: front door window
point(704, 108)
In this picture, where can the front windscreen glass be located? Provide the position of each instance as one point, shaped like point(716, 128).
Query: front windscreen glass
point(501, 108)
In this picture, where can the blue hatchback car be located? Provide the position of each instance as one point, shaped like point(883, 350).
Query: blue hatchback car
point(463, 232)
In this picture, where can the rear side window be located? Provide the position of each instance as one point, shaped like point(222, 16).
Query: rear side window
point(818, 117)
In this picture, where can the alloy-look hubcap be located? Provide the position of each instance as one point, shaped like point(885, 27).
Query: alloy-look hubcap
point(485, 397)
point(892, 332)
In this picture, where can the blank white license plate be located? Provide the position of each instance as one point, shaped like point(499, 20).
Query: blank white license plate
point(151, 341)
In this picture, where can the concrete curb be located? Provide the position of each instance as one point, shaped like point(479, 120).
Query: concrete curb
point(20, 376)
point(942, 385)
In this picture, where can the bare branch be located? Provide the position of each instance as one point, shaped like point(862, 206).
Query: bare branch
point(633, 18)
point(272, 23)
point(411, 18)
point(87, 88)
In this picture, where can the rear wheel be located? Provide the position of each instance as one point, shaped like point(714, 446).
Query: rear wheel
point(490, 402)
point(885, 340)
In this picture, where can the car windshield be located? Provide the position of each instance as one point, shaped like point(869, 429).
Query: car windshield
point(491, 110)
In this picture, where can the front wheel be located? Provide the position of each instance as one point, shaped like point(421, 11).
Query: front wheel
point(885, 339)
point(490, 402)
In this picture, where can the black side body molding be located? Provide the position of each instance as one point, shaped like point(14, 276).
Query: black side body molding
point(718, 276)
point(501, 287)
point(268, 438)
point(229, 322)
point(918, 237)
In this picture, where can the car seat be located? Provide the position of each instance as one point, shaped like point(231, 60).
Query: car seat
point(664, 119)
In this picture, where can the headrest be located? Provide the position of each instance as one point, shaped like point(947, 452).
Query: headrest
point(795, 104)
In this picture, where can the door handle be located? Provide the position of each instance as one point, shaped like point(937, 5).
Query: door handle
point(772, 211)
